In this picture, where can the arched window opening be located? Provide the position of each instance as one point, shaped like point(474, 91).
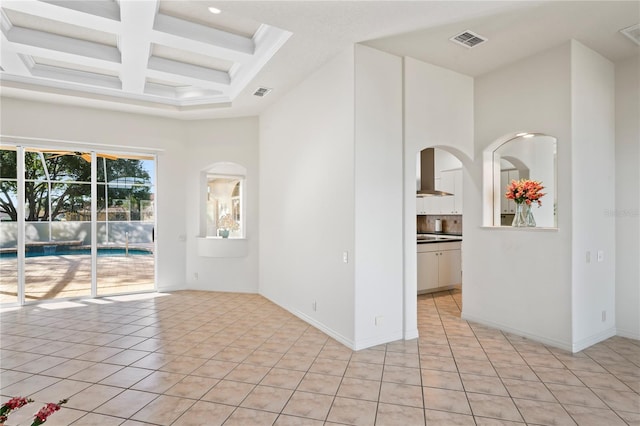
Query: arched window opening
point(224, 203)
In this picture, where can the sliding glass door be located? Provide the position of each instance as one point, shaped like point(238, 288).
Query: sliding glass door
point(8, 225)
point(126, 219)
point(75, 224)
point(57, 224)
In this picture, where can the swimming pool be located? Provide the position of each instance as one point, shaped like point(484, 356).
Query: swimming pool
point(61, 251)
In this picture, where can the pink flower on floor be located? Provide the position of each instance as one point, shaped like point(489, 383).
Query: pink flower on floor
point(13, 404)
point(46, 411)
point(19, 401)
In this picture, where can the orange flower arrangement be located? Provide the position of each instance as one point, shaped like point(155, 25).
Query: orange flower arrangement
point(525, 191)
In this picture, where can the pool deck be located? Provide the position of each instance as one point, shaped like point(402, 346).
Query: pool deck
point(68, 276)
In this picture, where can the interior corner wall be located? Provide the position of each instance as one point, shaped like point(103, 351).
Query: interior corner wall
point(627, 208)
point(438, 111)
point(519, 280)
point(593, 189)
point(378, 255)
point(307, 199)
point(207, 142)
point(64, 123)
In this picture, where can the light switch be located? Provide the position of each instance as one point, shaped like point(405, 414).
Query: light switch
point(345, 256)
point(588, 257)
point(600, 255)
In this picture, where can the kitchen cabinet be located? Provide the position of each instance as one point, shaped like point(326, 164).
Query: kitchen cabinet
point(428, 205)
point(439, 265)
point(507, 206)
point(420, 205)
point(452, 183)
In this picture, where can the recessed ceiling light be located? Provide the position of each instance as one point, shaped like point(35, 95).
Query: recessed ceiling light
point(215, 10)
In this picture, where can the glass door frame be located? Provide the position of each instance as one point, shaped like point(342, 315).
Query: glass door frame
point(21, 148)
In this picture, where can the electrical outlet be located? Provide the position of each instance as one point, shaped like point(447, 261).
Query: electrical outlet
point(345, 256)
point(195, 276)
point(379, 320)
point(314, 306)
point(604, 316)
point(600, 255)
point(588, 257)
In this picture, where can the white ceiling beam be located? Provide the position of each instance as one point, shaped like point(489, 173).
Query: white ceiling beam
point(184, 35)
point(189, 70)
point(135, 42)
point(28, 38)
point(76, 76)
point(64, 14)
point(29, 51)
point(186, 80)
point(105, 8)
point(10, 61)
point(180, 93)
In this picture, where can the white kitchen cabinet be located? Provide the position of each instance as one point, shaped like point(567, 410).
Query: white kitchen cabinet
point(424, 205)
point(452, 183)
point(457, 195)
point(439, 265)
point(507, 206)
point(432, 204)
point(427, 270)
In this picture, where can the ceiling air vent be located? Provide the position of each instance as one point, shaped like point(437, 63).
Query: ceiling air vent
point(262, 91)
point(468, 39)
point(633, 33)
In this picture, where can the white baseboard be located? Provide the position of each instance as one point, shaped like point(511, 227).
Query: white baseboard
point(356, 346)
point(326, 330)
point(628, 334)
point(378, 340)
point(411, 334)
point(592, 340)
point(332, 333)
point(551, 342)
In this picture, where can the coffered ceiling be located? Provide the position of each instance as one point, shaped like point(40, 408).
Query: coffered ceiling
point(176, 59)
point(163, 52)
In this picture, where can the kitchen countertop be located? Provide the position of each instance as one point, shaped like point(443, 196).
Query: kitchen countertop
point(437, 238)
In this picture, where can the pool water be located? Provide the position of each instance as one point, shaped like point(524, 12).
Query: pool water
point(71, 252)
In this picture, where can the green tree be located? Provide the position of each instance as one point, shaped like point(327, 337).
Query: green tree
point(55, 190)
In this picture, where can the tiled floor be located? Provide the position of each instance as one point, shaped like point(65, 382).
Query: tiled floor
point(199, 358)
point(65, 276)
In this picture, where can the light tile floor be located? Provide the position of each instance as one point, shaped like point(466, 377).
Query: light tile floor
point(201, 358)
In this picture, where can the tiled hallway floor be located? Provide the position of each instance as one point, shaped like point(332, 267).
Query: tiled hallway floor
point(200, 358)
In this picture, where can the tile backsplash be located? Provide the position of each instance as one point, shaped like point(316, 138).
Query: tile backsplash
point(451, 224)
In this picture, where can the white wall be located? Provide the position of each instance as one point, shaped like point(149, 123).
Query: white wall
point(209, 142)
point(378, 198)
point(627, 207)
point(593, 179)
point(438, 111)
point(515, 279)
point(307, 199)
point(121, 131)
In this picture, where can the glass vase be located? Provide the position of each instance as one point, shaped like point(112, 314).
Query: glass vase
point(529, 219)
point(520, 218)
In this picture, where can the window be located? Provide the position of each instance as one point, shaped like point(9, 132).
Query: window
point(224, 209)
point(521, 156)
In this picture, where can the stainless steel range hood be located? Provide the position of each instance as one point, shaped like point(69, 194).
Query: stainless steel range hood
point(427, 186)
